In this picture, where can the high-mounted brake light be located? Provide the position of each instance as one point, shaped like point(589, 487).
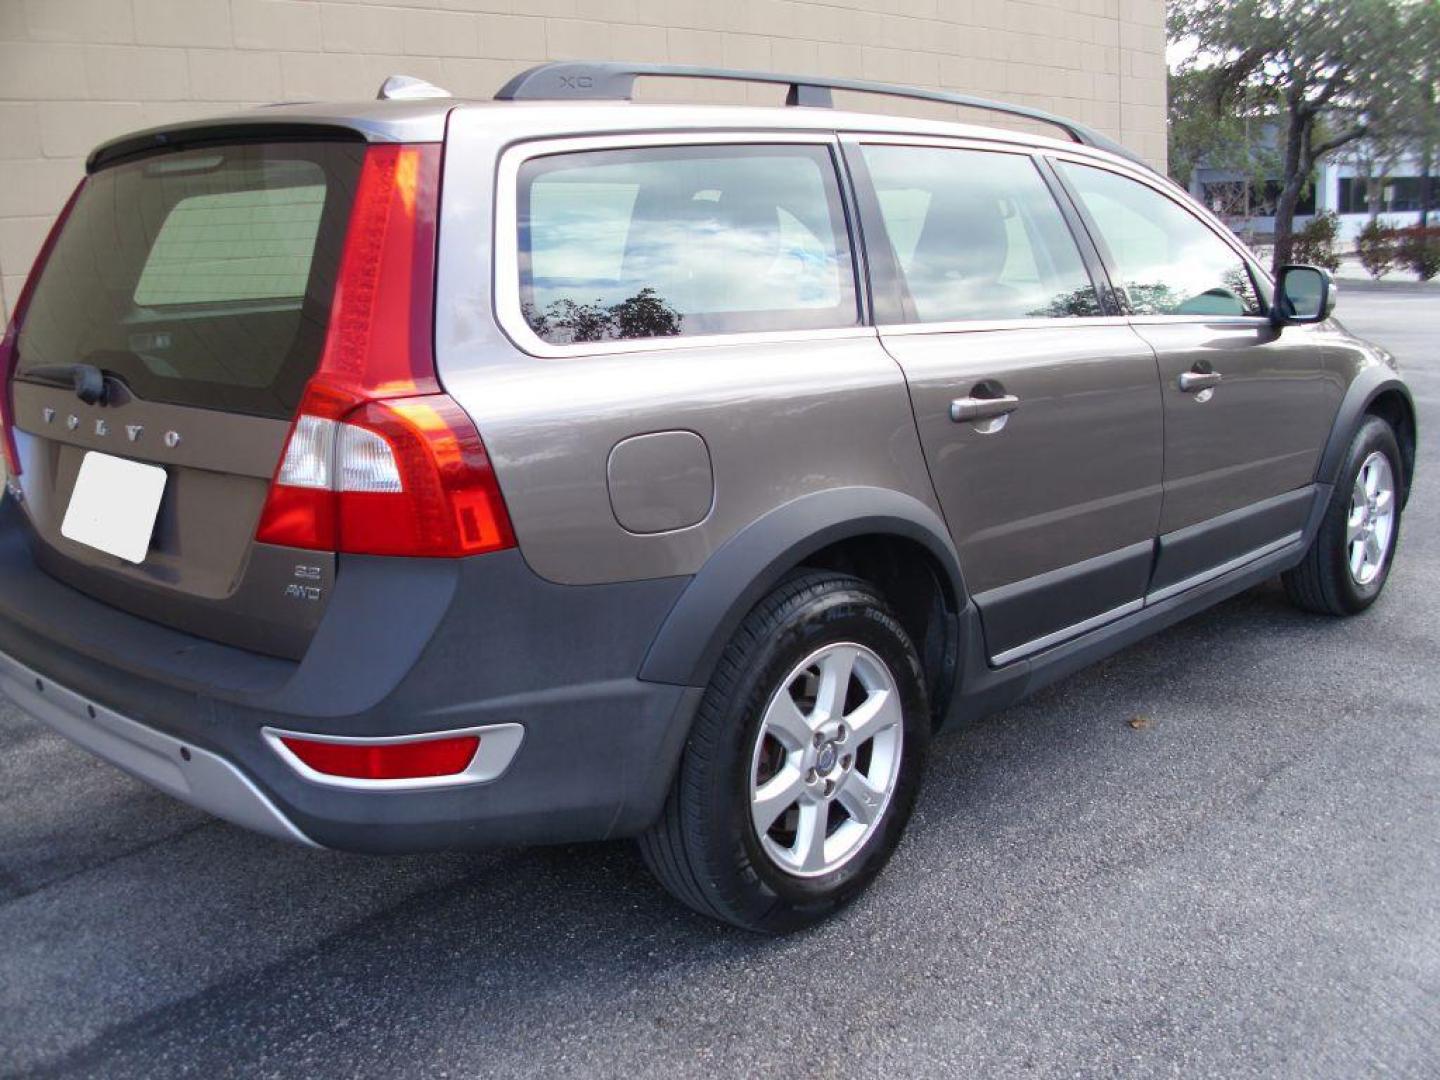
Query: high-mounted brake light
point(9, 344)
point(380, 461)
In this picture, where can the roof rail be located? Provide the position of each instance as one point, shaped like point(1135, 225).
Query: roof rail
point(615, 81)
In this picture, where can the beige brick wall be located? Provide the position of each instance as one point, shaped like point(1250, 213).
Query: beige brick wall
point(73, 72)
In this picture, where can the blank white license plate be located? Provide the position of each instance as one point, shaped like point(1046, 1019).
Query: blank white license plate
point(114, 505)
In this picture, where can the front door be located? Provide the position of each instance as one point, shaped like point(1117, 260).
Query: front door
point(1247, 408)
point(1039, 416)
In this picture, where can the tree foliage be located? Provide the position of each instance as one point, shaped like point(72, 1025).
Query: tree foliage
point(1423, 103)
point(1378, 248)
point(643, 315)
point(1314, 245)
point(1420, 252)
point(1326, 73)
point(1219, 134)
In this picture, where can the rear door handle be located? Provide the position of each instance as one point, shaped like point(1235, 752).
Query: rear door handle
point(1198, 380)
point(972, 408)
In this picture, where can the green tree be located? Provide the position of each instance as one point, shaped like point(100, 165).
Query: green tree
point(1206, 129)
point(1422, 105)
point(1326, 72)
point(643, 315)
point(1378, 248)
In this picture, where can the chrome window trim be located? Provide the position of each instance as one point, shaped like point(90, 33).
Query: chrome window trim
point(977, 326)
point(853, 137)
point(499, 743)
point(526, 340)
point(1256, 321)
point(506, 231)
point(1168, 189)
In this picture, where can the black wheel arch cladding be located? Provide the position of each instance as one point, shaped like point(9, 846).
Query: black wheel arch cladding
point(748, 565)
point(1376, 391)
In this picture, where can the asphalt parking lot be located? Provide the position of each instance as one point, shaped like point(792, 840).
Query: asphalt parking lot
point(1245, 883)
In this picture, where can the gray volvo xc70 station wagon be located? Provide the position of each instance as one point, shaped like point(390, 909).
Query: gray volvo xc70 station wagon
point(422, 473)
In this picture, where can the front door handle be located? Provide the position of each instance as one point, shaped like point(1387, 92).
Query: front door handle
point(1198, 380)
point(987, 408)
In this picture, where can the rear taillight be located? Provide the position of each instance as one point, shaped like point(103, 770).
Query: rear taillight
point(379, 461)
point(9, 345)
point(7, 376)
point(403, 476)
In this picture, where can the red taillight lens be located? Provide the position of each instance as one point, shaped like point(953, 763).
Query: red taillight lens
point(446, 756)
point(408, 476)
point(9, 344)
point(7, 374)
point(380, 462)
point(452, 502)
point(379, 340)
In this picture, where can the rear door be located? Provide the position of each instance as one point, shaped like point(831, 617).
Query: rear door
point(199, 284)
point(1039, 415)
point(1247, 409)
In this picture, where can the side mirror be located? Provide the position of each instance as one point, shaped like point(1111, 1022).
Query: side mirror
point(1303, 294)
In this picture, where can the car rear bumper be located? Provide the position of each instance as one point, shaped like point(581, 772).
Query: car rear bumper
point(406, 647)
point(192, 775)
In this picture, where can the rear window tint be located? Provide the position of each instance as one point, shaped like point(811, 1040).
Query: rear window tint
point(683, 240)
point(240, 245)
point(202, 277)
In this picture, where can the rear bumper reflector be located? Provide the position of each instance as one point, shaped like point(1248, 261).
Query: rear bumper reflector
point(400, 762)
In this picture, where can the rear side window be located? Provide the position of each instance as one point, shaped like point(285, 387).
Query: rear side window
point(975, 235)
point(202, 277)
point(1166, 261)
point(669, 241)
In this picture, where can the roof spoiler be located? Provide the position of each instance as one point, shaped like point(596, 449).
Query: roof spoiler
point(202, 132)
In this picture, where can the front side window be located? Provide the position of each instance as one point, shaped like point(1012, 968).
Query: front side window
point(1166, 261)
point(669, 241)
point(976, 235)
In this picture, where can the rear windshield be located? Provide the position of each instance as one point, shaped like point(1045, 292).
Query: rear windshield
point(202, 277)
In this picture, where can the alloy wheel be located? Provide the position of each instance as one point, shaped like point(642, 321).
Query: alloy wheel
point(1371, 522)
point(826, 759)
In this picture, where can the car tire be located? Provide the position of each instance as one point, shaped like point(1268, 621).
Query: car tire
point(745, 757)
point(1334, 578)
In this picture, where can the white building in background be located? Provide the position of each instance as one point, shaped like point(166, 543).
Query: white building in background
point(1345, 189)
point(1342, 185)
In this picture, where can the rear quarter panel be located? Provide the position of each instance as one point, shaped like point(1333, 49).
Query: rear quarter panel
point(780, 418)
